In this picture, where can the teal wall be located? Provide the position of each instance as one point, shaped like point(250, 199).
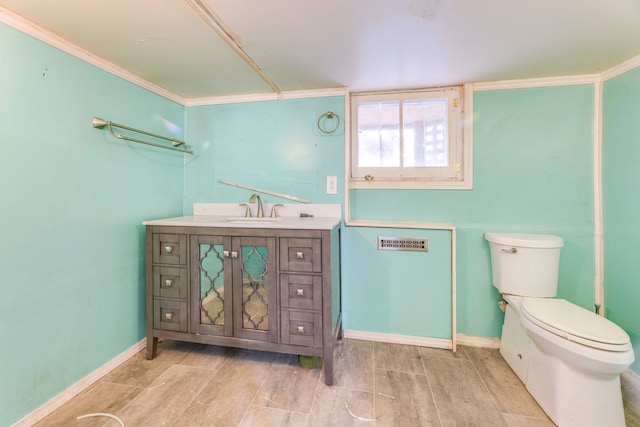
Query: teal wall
point(404, 293)
point(73, 198)
point(274, 145)
point(621, 175)
point(533, 172)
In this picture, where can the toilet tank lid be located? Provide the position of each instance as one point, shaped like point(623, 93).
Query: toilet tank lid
point(522, 240)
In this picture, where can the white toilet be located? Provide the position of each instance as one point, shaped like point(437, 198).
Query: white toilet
point(569, 358)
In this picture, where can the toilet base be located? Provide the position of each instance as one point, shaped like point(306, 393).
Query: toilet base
point(514, 345)
point(568, 394)
point(581, 392)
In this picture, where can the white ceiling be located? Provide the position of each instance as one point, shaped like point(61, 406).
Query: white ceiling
point(358, 44)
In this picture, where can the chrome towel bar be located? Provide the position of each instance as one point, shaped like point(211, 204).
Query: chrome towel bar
point(176, 145)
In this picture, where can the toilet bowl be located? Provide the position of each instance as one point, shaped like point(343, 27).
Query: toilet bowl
point(569, 358)
point(574, 376)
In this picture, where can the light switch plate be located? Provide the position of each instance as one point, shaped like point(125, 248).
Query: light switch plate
point(332, 185)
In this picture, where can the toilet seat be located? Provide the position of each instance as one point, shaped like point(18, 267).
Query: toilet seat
point(574, 323)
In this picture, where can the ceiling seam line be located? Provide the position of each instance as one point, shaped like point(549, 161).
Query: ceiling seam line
point(220, 28)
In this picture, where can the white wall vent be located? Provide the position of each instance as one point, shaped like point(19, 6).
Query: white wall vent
point(403, 244)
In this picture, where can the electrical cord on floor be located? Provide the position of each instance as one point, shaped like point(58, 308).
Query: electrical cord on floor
point(101, 414)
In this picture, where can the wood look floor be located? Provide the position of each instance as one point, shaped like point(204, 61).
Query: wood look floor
point(377, 384)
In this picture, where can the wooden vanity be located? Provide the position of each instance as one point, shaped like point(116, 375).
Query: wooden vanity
point(272, 286)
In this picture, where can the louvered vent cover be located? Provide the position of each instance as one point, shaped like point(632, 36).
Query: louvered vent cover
point(403, 244)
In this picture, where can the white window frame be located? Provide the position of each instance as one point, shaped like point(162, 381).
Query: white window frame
point(458, 173)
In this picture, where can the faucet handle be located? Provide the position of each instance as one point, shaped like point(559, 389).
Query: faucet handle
point(274, 213)
point(247, 212)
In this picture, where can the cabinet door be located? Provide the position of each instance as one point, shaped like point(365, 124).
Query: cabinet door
point(211, 285)
point(254, 286)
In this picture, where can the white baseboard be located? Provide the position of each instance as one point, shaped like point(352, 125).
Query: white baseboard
point(461, 339)
point(80, 386)
point(473, 341)
point(397, 339)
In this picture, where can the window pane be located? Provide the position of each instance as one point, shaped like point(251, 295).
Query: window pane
point(379, 134)
point(425, 133)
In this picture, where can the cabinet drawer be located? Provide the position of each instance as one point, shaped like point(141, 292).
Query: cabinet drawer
point(169, 282)
point(302, 328)
point(304, 255)
point(301, 291)
point(170, 315)
point(170, 249)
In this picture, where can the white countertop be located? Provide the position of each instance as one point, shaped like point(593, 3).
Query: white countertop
point(231, 215)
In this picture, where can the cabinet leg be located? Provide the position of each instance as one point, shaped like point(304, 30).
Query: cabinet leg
point(152, 347)
point(328, 375)
point(329, 349)
point(327, 363)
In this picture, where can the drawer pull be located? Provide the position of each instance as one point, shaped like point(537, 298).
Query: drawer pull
point(299, 255)
point(169, 315)
point(168, 283)
point(300, 292)
point(168, 249)
point(301, 329)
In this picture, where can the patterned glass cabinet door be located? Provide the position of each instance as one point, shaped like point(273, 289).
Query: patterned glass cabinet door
point(235, 281)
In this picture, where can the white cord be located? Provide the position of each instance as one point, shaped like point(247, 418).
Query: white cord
point(101, 414)
point(356, 416)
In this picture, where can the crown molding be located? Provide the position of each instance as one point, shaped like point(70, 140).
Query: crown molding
point(271, 96)
point(621, 68)
point(559, 81)
point(23, 25)
point(539, 82)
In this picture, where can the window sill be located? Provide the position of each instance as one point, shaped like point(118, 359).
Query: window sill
point(410, 185)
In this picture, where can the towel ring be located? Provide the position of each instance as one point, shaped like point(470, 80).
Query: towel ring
point(329, 115)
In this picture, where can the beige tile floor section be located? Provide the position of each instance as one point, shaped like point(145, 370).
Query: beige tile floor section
point(377, 384)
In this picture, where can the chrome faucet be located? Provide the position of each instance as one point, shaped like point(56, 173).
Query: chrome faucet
point(274, 212)
point(252, 199)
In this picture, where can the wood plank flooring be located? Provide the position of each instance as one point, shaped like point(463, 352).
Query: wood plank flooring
point(377, 384)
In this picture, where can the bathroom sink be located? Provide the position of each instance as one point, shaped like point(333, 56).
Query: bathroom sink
point(252, 220)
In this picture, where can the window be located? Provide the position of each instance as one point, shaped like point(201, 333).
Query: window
point(407, 139)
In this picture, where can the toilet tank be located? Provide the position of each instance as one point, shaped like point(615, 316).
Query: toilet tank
point(525, 264)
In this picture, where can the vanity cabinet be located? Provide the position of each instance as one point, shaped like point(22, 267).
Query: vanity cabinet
point(266, 289)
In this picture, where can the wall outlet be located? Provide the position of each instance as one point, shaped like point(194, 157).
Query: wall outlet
point(332, 185)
